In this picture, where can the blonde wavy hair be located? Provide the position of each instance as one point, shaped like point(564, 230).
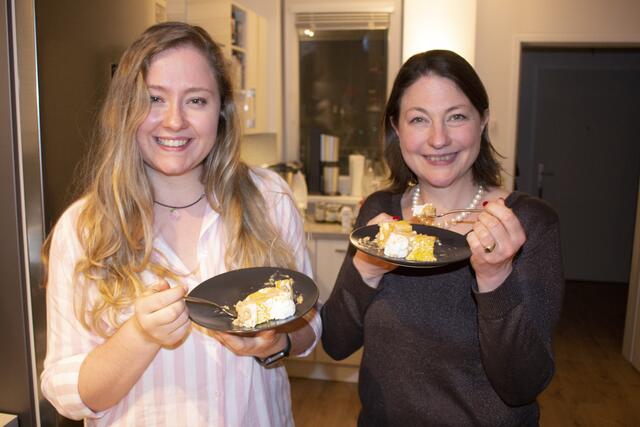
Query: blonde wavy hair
point(115, 226)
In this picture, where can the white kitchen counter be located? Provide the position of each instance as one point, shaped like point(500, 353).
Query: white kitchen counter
point(325, 228)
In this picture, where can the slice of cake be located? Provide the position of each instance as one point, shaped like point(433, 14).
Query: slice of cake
point(426, 210)
point(269, 303)
point(386, 228)
point(422, 248)
point(397, 239)
point(424, 213)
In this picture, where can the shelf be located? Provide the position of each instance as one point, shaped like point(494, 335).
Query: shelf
point(238, 26)
point(241, 34)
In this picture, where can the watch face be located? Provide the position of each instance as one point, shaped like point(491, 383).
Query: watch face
point(270, 360)
point(274, 358)
point(287, 347)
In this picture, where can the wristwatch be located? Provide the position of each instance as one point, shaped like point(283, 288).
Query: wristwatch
point(270, 360)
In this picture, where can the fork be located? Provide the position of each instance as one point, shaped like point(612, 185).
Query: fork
point(223, 308)
point(454, 211)
point(427, 219)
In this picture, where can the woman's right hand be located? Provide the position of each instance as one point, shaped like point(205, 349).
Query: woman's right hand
point(111, 369)
point(372, 269)
point(162, 315)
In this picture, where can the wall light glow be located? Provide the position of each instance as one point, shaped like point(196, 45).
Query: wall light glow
point(439, 24)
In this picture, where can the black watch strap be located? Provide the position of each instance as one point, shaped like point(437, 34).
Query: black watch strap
point(270, 360)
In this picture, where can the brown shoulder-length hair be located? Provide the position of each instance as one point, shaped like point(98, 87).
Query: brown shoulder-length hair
point(115, 224)
point(444, 63)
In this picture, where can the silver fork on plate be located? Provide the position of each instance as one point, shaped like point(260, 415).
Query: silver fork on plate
point(222, 308)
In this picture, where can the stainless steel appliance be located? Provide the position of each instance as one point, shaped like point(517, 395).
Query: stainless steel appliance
point(286, 170)
point(21, 221)
point(329, 157)
point(43, 132)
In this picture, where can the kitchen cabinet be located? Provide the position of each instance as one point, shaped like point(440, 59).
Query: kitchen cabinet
point(327, 250)
point(328, 254)
point(241, 34)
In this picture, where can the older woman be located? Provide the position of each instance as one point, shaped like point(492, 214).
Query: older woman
point(469, 343)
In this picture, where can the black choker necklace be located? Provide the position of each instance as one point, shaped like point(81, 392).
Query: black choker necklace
point(174, 209)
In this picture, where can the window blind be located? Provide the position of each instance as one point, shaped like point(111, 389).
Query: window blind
point(342, 20)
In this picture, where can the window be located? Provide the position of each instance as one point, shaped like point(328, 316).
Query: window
point(343, 79)
point(339, 67)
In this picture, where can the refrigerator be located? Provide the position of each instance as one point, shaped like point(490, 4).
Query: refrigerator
point(56, 58)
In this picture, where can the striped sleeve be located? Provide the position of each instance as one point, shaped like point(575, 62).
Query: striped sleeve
point(68, 342)
point(289, 221)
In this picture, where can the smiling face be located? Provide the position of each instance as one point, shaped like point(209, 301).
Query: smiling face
point(439, 131)
point(181, 126)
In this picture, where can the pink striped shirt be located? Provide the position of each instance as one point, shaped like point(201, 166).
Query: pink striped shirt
point(200, 383)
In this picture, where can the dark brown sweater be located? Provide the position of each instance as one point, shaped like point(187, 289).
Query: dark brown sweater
point(437, 352)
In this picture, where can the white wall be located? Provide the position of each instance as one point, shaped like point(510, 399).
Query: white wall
point(503, 24)
point(439, 24)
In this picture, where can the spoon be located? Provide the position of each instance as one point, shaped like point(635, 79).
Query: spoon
point(222, 308)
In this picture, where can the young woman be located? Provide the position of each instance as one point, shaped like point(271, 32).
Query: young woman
point(469, 343)
point(168, 204)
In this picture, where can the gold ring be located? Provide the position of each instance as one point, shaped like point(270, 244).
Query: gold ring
point(489, 249)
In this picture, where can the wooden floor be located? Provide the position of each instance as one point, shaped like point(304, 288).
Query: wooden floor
point(593, 386)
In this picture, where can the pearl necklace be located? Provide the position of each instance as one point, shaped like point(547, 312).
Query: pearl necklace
point(456, 219)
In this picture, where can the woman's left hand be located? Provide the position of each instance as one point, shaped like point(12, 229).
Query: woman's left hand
point(496, 238)
point(262, 344)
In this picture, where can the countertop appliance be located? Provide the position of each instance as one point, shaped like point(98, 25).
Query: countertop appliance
point(286, 170)
point(329, 156)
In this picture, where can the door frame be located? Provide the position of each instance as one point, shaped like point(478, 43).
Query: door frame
point(631, 341)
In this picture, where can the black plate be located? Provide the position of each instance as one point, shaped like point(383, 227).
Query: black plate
point(450, 246)
point(230, 287)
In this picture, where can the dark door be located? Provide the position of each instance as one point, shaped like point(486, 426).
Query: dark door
point(578, 149)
